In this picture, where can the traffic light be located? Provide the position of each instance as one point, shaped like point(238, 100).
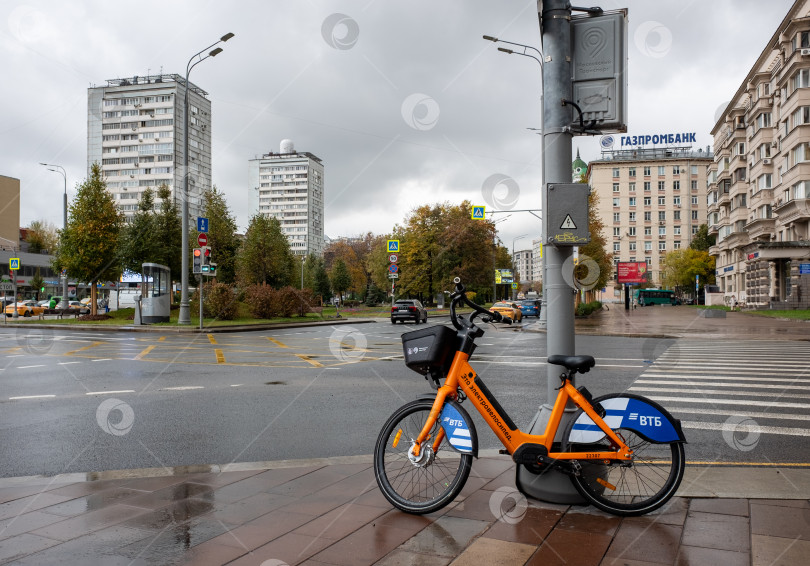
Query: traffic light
point(197, 263)
point(206, 250)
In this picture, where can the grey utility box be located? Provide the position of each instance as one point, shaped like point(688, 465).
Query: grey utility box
point(567, 214)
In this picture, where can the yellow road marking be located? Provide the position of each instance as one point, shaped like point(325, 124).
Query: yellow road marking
point(752, 464)
point(93, 345)
point(220, 355)
point(161, 339)
point(144, 352)
point(306, 359)
point(277, 343)
point(212, 339)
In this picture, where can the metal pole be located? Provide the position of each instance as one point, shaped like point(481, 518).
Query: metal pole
point(184, 316)
point(201, 301)
point(14, 313)
point(555, 23)
point(61, 170)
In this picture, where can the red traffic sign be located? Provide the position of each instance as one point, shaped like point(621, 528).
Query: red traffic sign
point(393, 258)
point(393, 268)
point(202, 239)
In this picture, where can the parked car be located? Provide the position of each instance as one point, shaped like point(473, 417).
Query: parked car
point(25, 308)
point(82, 308)
point(530, 307)
point(510, 309)
point(410, 309)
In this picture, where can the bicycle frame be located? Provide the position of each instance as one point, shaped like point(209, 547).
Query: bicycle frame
point(461, 375)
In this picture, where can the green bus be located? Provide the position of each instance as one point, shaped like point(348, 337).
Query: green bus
point(644, 297)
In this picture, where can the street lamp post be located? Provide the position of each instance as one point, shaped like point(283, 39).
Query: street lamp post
point(184, 316)
point(61, 170)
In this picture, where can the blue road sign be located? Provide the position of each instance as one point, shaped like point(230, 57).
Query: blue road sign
point(393, 268)
point(202, 225)
point(14, 263)
point(393, 245)
point(478, 212)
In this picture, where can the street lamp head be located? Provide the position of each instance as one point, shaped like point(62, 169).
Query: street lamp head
point(490, 38)
point(505, 50)
point(215, 52)
point(226, 37)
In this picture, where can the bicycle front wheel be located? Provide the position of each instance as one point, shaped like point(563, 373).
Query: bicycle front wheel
point(626, 488)
point(420, 483)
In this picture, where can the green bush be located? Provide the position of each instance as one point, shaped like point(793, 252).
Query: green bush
point(266, 302)
point(261, 301)
point(219, 301)
point(584, 309)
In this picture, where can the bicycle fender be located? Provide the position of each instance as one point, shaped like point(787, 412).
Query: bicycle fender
point(458, 426)
point(644, 417)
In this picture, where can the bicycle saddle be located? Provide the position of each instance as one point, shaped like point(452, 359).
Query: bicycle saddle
point(582, 364)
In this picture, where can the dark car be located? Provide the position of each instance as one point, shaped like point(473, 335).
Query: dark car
point(530, 307)
point(410, 309)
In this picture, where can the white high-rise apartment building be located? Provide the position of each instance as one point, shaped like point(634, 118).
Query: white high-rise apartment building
point(522, 261)
point(135, 131)
point(289, 186)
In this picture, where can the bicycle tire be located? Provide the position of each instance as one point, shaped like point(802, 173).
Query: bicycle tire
point(417, 488)
point(646, 484)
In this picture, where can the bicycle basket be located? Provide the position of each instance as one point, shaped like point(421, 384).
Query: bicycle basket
point(429, 349)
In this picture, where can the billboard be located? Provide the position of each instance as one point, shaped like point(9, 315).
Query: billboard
point(632, 272)
point(503, 276)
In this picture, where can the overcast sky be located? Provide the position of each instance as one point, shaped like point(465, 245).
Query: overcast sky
point(404, 102)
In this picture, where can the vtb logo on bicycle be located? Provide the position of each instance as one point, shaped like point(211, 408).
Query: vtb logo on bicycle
point(645, 420)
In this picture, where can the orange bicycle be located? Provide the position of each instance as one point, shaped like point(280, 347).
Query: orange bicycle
point(624, 453)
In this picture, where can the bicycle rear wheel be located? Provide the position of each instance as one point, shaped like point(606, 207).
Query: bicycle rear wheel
point(417, 484)
point(627, 489)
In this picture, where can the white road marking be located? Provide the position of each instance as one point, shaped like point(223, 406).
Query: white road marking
point(67, 363)
point(110, 392)
point(28, 367)
point(183, 388)
point(31, 397)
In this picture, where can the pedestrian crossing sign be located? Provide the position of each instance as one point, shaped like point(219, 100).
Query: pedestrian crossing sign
point(478, 212)
point(14, 263)
point(393, 245)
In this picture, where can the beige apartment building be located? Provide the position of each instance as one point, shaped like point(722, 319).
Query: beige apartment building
point(9, 213)
point(651, 200)
point(759, 181)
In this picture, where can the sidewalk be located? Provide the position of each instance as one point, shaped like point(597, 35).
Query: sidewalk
point(330, 511)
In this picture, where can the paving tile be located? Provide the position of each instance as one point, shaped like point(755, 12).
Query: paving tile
point(695, 556)
point(211, 554)
point(711, 530)
point(31, 503)
point(315, 505)
point(721, 506)
point(447, 536)
point(803, 503)
point(222, 478)
point(566, 547)
point(491, 468)
point(364, 546)
point(93, 501)
point(402, 558)
point(373, 498)
point(18, 492)
point(250, 508)
point(172, 493)
point(644, 541)
point(153, 483)
point(589, 520)
point(175, 513)
point(289, 549)
point(405, 521)
point(506, 479)
point(315, 481)
point(173, 542)
point(261, 482)
point(262, 530)
point(89, 487)
point(100, 547)
point(88, 522)
point(26, 522)
point(530, 528)
point(494, 552)
point(22, 545)
point(340, 522)
point(778, 551)
point(779, 521)
point(480, 505)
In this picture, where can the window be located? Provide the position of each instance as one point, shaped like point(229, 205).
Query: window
point(694, 201)
point(764, 181)
point(632, 246)
point(764, 150)
point(662, 216)
point(693, 170)
point(647, 171)
point(800, 117)
point(647, 231)
point(676, 201)
point(615, 187)
point(662, 201)
point(676, 185)
point(616, 201)
point(764, 119)
point(632, 187)
point(677, 245)
point(617, 231)
point(662, 170)
point(694, 215)
point(662, 246)
point(647, 201)
point(694, 185)
point(800, 153)
point(677, 215)
point(632, 231)
point(615, 217)
point(646, 185)
point(677, 230)
point(616, 247)
point(632, 172)
point(647, 246)
point(662, 230)
point(632, 217)
point(800, 190)
point(615, 172)
point(648, 216)
point(739, 149)
point(662, 185)
point(800, 80)
point(632, 201)
point(676, 169)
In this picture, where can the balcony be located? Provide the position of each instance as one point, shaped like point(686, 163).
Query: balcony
point(792, 210)
point(760, 227)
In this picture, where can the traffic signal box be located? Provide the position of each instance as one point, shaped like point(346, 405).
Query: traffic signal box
point(202, 262)
point(197, 261)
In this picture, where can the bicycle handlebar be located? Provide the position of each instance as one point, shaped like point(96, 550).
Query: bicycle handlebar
point(460, 296)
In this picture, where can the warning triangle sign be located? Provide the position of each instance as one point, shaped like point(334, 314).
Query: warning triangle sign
point(568, 223)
